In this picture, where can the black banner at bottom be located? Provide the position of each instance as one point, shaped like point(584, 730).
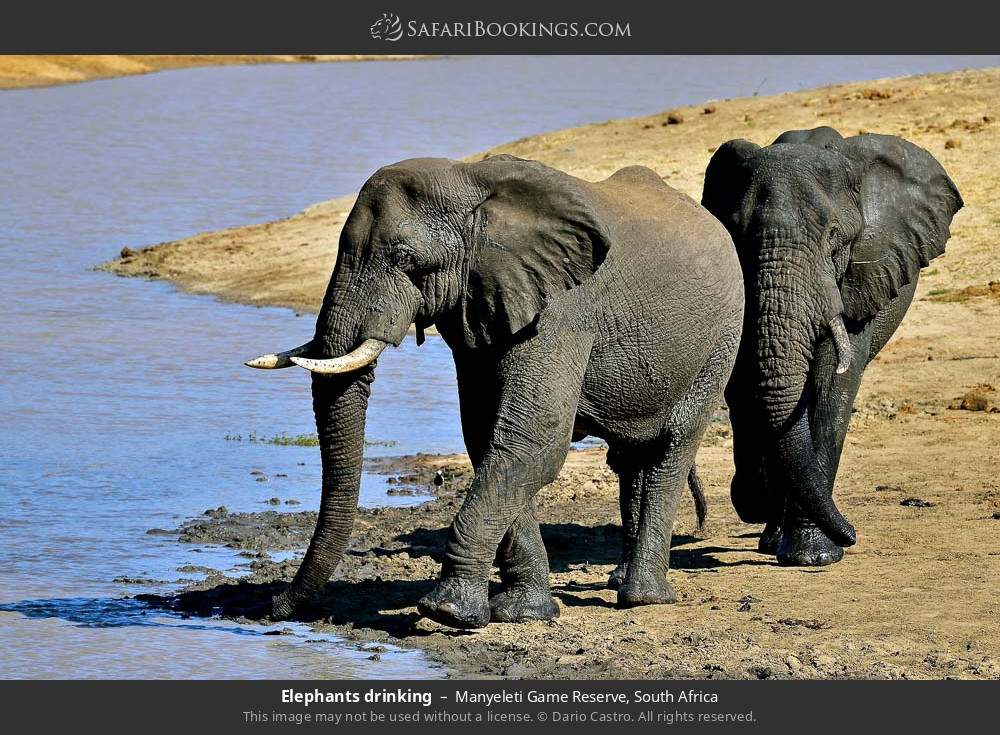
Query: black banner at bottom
point(496, 706)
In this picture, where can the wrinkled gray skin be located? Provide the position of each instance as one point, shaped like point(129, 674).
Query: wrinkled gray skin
point(572, 308)
point(827, 229)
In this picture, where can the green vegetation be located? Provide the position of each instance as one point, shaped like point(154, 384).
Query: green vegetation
point(938, 291)
point(297, 440)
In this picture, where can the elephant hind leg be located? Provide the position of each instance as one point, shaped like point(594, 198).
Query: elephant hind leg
point(630, 479)
point(665, 471)
point(645, 575)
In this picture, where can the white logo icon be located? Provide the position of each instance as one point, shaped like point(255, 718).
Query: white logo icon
point(387, 28)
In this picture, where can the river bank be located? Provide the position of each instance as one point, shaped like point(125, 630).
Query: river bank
point(916, 598)
point(38, 70)
point(953, 115)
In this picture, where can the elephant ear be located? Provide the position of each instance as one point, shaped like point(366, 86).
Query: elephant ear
point(907, 203)
point(727, 180)
point(535, 235)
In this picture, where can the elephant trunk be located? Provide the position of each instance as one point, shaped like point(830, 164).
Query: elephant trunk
point(340, 406)
point(789, 321)
point(342, 363)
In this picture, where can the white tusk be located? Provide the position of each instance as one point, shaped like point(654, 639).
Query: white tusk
point(842, 343)
point(362, 355)
point(279, 360)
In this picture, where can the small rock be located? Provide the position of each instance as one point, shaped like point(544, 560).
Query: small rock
point(916, 503)
point(292, 502)
point(823, 661)
point(952, 143)
point(996, 516)
point(793, 664)
point(273, 501)
point(982, 397)
point(127, 252)
point(262, 478)
point(136, 580)
point(710, 109)
point(674, 118)
point(220, 512)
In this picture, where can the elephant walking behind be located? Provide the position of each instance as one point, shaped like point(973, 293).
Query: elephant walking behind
point(832, 233)
point(572, 308)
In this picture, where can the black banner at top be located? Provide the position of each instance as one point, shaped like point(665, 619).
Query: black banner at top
point(509, 27)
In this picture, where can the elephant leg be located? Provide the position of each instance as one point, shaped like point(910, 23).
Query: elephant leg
point(802, 543)
point(645, 580)
point(755, 498)
point(541, 381)
point(521, 558)
point(524, 574)
point(664, 478)
point(630, 479)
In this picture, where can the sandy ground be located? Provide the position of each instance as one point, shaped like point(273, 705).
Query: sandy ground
point(917, 597)
point(38, 70)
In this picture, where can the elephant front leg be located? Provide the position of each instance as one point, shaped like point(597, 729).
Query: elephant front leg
point(524, 574)
point(496, 499)
point(541, 387)
point(802, 543)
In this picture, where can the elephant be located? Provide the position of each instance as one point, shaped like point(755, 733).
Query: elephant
point(832, 233)
point(572, 309)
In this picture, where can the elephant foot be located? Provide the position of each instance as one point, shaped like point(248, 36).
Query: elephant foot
point(617, 577)
point(634, 593)
point(770, 537)
point(457, 603)
point(521, 604)
point(807, 546)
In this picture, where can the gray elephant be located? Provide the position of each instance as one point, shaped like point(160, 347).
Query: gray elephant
point(572, 308)
point(831, 234)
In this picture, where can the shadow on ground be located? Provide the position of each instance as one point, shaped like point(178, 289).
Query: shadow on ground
point(368, 596)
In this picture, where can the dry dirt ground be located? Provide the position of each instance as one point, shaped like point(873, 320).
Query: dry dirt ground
point(37, 70)
point(919, 596)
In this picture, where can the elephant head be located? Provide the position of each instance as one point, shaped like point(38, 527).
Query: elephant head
point(828, 231)
point(476, 249)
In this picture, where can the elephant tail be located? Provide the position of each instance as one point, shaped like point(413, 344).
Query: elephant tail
point(700, 504)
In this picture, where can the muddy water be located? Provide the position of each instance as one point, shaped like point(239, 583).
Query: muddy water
point(117, 396)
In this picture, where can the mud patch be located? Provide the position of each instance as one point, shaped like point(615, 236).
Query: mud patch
point(739, 615)
point(968, 293)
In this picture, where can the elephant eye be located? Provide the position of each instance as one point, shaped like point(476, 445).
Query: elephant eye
point(402, 255)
